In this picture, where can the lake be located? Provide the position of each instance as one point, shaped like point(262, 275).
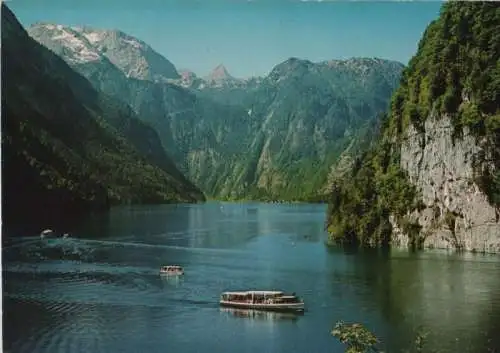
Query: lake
point(99, 290)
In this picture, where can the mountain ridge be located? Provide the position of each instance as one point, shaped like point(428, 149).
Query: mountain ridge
point(242, 138)
point(131, 55)
point(219, 73)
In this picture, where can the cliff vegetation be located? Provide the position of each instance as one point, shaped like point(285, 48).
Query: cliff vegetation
point(455, 77)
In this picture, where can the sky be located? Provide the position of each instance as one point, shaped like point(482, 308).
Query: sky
point(249, 37)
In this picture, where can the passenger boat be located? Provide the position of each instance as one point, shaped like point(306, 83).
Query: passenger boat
point(172, 270)
point(262, 300)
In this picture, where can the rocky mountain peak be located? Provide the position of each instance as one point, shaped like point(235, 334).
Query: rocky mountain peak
point(186, 73)
point(64, 39)
point(129, 54)
point(290, 66)
point(220, 73)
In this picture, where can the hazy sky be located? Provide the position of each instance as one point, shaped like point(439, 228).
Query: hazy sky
point(248, 37)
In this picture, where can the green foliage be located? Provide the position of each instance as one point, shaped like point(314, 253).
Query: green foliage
point(412, 229)
point(493, 124)
point(457, 57)
point(450, 219)
point(67, 147)
point(357, 338)
point(456, 71)
point(375, 188)
point(415, 115)
point(490, 182)
point(419, 345)
point(471, 117)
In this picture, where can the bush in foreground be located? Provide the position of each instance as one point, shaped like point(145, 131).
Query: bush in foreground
point(360, 340)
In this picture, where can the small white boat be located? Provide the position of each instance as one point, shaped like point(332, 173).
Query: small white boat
point(173, 270)
point(262, 300)
point(46, 233)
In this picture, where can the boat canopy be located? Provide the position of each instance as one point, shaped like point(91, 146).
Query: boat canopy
point(172, 267)
point(254, 292)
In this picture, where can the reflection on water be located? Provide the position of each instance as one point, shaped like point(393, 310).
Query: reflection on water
point(261, 314)
point(449, 297)
point(455, 297)
point(100, 290)
point(173, 281)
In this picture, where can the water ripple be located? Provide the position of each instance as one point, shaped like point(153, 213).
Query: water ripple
point(82, 294)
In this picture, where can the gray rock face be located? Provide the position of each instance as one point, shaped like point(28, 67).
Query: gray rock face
point(134, 57)
point(457, 215)
point(83, 45)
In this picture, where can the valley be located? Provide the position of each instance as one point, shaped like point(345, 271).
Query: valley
point(324, 171)
point(269, 138)
point(412, 152)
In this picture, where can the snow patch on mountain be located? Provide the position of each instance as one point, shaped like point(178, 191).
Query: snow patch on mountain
point(81, 51)
point(93, 37)
point(133, 43)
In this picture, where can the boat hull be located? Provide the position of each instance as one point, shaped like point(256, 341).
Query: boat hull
point(171, 273)
point(288, 307)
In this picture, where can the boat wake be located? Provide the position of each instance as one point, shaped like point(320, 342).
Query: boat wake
point(36, 249)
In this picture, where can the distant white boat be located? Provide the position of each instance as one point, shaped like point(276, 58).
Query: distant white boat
point(262, 300)
point(46, 232)
point(173, 270)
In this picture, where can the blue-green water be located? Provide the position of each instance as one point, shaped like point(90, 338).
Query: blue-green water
point(99, 290)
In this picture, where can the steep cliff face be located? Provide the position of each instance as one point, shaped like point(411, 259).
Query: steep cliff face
point(451, 149)
point(433, 177)
point(455, 213)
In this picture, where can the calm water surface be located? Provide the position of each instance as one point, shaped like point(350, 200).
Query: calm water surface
point(99, 290)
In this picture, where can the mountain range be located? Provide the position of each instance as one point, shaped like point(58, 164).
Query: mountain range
point(405, 156)
point(273, 137)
